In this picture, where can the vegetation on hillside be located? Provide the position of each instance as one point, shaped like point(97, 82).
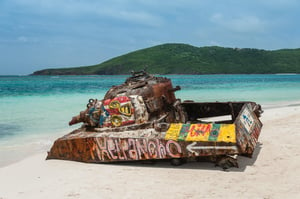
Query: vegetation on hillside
point(187, 59)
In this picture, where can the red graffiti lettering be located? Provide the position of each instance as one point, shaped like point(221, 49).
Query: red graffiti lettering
point(152, 149)
point(124, 148)
point(102, 149)
point(161, 149)
point(111, 148)
point(117, 142)
point(199, 129)
point(142, 149)
point(173, 149)
point(132, 149)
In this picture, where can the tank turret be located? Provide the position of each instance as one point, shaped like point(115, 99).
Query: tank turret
point(141, 98)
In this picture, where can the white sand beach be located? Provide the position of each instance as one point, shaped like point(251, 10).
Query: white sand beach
point(273, 172)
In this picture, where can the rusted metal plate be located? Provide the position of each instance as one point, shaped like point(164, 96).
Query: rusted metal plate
point(133, 145)
point(248, 130)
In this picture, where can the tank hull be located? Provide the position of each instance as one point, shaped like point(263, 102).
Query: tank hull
point(158, 140)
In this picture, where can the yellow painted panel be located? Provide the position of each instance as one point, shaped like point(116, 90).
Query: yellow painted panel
point(173, 131)
point(227, 133)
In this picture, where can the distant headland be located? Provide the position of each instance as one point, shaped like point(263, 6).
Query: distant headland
point(187, 59)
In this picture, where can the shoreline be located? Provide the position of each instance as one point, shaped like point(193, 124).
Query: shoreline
point(280, 104)
point(39, 148)
point(271, 173)
point(191, 74)
point(26, 151)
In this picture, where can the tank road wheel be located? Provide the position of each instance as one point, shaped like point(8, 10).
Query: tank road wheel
point(226, 162)
point(178, 161)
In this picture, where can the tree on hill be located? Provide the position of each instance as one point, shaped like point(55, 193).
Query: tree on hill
point(187, 59)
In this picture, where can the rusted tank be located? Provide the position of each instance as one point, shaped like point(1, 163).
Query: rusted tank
point(141, 119)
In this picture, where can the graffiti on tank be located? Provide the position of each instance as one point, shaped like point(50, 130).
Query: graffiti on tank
point(117, 112)
point(201, 132)
point(247, 120)
point(199, 129)
point(111, 149)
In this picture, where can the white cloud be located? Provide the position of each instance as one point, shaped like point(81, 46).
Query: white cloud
point(239, 24)
point(141, 17)
point(114, 9)
point(214, 43)
point(22, 39)
point(279, 3)
point(217, 18)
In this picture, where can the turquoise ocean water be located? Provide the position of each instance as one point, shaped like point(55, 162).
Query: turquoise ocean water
point(35, 110)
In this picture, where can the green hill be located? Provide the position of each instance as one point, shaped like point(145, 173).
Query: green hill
point(187, 59)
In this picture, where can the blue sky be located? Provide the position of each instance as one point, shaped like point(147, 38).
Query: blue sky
point(38, 34)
